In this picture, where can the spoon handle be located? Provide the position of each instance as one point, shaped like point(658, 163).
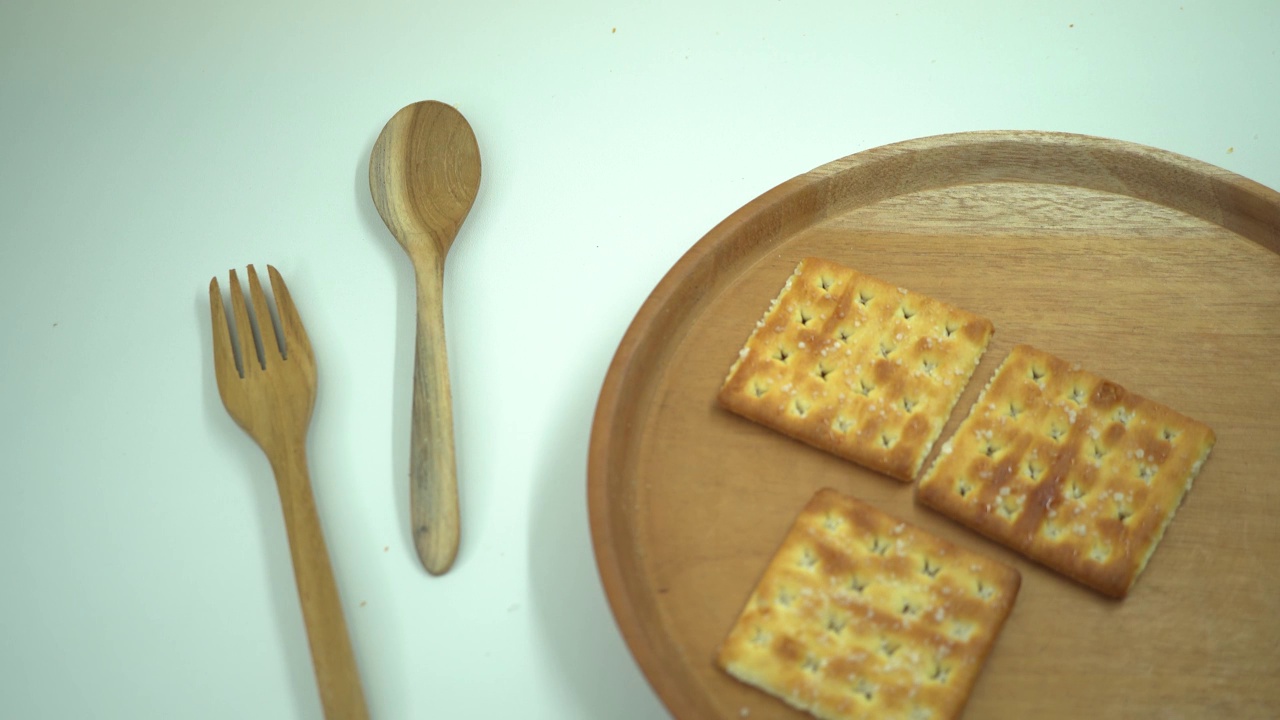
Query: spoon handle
point(433, 475)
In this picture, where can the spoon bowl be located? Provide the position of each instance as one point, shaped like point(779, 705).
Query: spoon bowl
point(424, 174)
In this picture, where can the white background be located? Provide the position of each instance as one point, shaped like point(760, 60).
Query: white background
point(147, 146)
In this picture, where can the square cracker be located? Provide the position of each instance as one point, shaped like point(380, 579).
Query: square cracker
point(1069, 469)
point(859, 615)
point(857, 367)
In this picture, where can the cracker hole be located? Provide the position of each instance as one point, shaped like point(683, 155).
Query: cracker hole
point(961, 631)
point(1169, 434)
point(1122, 416)
point(760, 637)
point(822, 372)
point(950, 329)
point(842, 425)
point(804, 316)
point(1052, 531)
point(1076, 396)
point(865, 689)
point(1037, 374)
point(906, 312)
point(844, 334)
point(801, 406)
point(865, 387)
point(879, 547)
point(1124, 514)
point(835, 624)
point(889, 647)
point(886, 350)
point(1098, 452)
point(990, 449)
point(909, 404)
point(784, 597)
point(928, 366)
point(1146, 472)
point(910, 609)
point(930, 569)
point(781, 354)
point(1008, 508)
point(887, 440)
point(985, 591)
point(921, 713)
point(864, 297)
point(811, 664)
point(940, 673)
point(832, 522)
point(759, 389)
point(1014, 411)
point(1034, 470)
point(1076, 492)
point(963, 489)
point(1100, 553)
point(857, 584)
point(808, 560)
point(825, 282)
point(1055, 433)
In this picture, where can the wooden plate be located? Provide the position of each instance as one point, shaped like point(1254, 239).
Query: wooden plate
point(1156, 271)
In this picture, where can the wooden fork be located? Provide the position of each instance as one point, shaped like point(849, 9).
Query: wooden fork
point(270, 392)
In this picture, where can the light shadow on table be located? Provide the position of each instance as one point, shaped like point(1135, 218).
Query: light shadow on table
point(406, 329)
point(570, 609)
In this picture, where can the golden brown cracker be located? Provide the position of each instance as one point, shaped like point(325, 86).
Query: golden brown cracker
point(1068, 468)
point(859, 615)
point(857, 367)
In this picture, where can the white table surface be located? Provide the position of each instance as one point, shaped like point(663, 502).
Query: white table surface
point(147, 146)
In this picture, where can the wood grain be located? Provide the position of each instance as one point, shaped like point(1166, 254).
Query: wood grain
point(424, 173)
point(271, 397)
point(1154, 270)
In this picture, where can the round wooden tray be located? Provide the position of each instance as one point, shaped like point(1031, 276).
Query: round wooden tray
point(1156, 271)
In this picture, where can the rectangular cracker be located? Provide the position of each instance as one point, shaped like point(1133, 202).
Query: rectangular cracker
point(1069, 469)
point(859, 615)
point(857, 367)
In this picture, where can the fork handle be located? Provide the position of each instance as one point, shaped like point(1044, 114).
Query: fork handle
point(334, 661)
point(433, 474)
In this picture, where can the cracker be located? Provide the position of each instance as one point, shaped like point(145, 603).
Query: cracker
point(1069, 469)
point(859, 615)
point(856, 366)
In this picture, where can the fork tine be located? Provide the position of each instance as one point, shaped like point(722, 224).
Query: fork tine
point(271, 351)
point(224, 354)
point(249, 361)
point(295, 335)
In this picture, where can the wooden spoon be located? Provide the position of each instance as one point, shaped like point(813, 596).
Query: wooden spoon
point(424, 173)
